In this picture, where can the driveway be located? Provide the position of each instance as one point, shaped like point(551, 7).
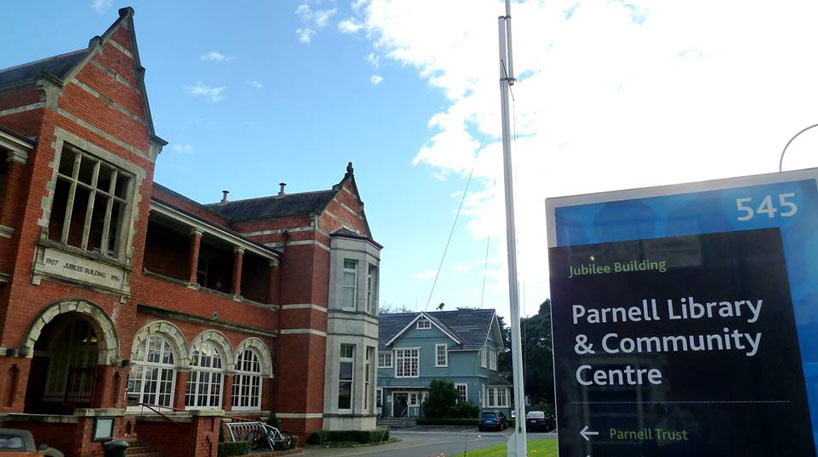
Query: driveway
point(427, 441)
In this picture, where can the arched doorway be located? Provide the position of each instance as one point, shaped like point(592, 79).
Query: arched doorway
point(62, 368)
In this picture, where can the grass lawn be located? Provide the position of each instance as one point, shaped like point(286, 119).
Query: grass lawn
point(536, 448)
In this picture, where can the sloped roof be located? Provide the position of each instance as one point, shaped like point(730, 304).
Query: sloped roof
point(470, 326)
point(275, 206)
point(58, 66)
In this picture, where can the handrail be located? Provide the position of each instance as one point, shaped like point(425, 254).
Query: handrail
point(160, 413)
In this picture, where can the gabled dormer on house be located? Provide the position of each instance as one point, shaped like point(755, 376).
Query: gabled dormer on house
point(461, 346)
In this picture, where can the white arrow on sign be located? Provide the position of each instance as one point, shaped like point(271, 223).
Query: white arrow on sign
point(585, 433)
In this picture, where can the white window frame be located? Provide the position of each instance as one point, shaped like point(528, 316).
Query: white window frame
point(445, 355)
point(351, 381)
point(371, 283)
point(247, 378)
point(353, 286)
point(406, 353)
point(379, 397)
point(483, 357)
point(492, 359)
point(159, 369)
point(204, 379)
point(116, 251)
point(493, 397)
point(465, 395)
point(413, 396)
point(386, 355)
point(423, 324)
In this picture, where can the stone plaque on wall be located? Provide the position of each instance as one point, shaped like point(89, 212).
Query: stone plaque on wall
point(55, 262)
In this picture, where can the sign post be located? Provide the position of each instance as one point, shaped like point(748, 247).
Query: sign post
point(684, 319)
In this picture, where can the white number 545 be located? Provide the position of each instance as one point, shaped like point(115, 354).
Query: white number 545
point(785, 205)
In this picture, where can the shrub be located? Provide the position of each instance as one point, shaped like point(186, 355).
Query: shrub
point(340, 444)
point(228, 448)
point(441, 400)
point(358, 436)
point(472, 422)
point(466, 409)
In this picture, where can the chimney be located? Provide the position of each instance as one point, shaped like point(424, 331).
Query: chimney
point(281, 190)
point(224, 196)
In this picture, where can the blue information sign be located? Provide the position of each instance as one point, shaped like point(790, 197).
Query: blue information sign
point(685, 318)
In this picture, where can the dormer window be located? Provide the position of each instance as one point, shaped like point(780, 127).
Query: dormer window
point(424, 324)
point(90, 210)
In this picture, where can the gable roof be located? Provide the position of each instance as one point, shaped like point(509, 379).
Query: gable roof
point(443, 328)
point(470, 326)
point(58, 67)
point(275, 206)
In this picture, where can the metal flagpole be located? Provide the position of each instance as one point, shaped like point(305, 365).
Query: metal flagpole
point(517, 442)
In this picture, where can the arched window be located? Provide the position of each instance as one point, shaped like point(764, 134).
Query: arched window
point(247, 382)
point(204, 386)
point(153, 374)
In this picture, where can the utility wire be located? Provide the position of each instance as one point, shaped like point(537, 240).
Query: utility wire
point(454, 224)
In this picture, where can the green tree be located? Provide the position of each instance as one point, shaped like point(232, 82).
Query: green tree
point(441, 400)
point(538, 364)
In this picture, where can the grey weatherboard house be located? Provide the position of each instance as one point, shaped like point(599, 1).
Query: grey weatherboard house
point(459, 346)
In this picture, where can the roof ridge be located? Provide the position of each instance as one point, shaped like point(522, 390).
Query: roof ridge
point(65, 54)
point(267, 196)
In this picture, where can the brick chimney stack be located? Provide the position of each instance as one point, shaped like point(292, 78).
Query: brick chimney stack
point(281, 190)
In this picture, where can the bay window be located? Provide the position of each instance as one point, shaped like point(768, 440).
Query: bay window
point(346, 376)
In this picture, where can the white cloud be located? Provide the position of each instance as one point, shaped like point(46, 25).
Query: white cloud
point(611, 95)
point(255, 84)
point(183, 148)
point(213, 94)
point(426, 274)
point(349, 25)
point(375, 79)
point(305, 35)
point(322, 17)
point(102, 5)
point(215, 56)
point(373, 59)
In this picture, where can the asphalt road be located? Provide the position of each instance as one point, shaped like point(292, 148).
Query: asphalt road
point(427, 442)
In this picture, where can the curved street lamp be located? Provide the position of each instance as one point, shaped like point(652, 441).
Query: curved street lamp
point(781, 160)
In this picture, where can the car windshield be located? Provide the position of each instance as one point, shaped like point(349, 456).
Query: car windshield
point(11, 442)
point(488, 415)
point(535, 415)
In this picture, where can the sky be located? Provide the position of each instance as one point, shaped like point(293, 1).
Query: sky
point(612, 94)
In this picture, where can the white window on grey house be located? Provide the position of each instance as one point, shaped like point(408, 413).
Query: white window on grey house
point(441, 355)
point(345, 376)
point(496, 397)
point(414, 399)
point(379, 397)
point(483, 357)
point(153, 375)
point(89, 210)
point(350, 283)
point(371, 283)
point(246, 393)
point(492, 359)
point(462, 392)
point(385, 359)
point(423, 324)
point(407, 363)
point(204, 386)
point(367, 377)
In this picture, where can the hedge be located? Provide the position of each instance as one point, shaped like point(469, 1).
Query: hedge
point(357, 436)
point(231, 448)
point(447, 421)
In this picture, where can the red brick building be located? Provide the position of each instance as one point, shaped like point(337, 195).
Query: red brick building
point(125, 305)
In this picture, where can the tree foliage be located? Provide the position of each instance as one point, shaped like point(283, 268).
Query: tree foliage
point(538, 364)
point(442, 399)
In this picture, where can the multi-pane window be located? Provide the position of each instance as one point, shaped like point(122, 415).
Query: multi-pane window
point(379, 397)
point(345, 376)
point(367, 377)
point(153, 375)
point(492, 359)
point(414, 399)
point(423, 324)
point(462, 392)
point(496, 397)
point(441, 355)
point(90, 206)
point(350, 288)
point(247, 381)
point(204, 386)
point(371, 283)
point(407, 362)
point(385, 359)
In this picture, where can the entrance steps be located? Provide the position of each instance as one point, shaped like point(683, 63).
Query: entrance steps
point(139, 448)
point(397, 422)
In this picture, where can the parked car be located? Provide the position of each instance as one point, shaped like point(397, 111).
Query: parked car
point(492, 420)
point(538, 421)
point(20, 443)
